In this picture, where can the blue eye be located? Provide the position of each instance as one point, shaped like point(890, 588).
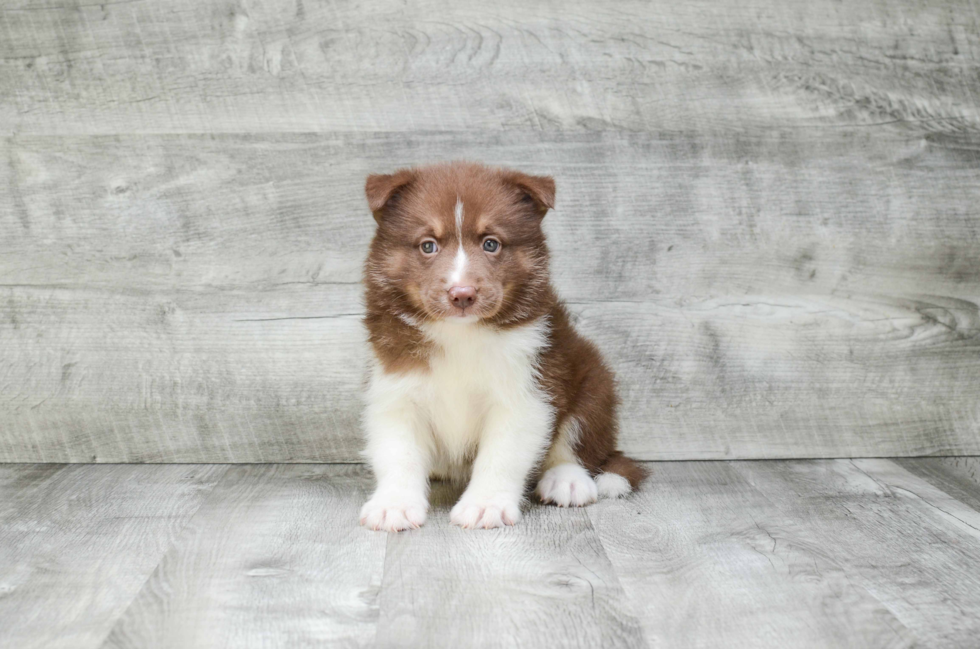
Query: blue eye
point(428, 247)
point(491, 245)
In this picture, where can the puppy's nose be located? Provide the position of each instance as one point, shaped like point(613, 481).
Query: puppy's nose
point(462, 296)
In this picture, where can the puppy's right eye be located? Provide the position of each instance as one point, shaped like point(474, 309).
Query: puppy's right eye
point(429, 247)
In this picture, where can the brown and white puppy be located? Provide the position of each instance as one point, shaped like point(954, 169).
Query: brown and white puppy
point(477, 370)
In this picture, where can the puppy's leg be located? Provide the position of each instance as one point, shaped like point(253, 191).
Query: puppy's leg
point(583, 463)
point(513, 439)
point(400, 459)
point(565, 481)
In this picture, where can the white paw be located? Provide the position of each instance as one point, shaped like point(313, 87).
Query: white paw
point(612, 485)
point(495, 511)
point(567, 485)
point(393, 514)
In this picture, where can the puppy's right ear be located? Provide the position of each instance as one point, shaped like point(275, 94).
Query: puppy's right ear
point(383, 189)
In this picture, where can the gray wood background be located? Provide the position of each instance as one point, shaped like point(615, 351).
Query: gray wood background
point(768, 214)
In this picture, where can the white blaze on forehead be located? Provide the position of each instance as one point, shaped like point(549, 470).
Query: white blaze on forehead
point(459, 265)
point(459, 218)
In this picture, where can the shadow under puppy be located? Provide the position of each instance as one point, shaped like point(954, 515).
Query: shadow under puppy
point(477, 372)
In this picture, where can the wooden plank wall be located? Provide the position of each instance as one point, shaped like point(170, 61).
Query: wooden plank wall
point(768, 214)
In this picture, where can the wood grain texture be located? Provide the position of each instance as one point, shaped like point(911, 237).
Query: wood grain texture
point(295, 65)
point(544, 583)
point(897, 536)
point(274, 558)
point(196, 298)
point(77, 543)
point(957, 476)
point(807, 553)
point(767, 214)
point(709, 561)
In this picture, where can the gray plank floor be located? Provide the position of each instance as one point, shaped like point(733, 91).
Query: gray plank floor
point(816, 553)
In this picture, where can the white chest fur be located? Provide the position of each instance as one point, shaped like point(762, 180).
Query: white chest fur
point(474, 370)
point(475, 376)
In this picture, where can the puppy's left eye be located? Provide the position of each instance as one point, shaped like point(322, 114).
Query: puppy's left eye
point(491, 245)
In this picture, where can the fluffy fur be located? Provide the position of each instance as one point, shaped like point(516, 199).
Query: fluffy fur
point(478, 374)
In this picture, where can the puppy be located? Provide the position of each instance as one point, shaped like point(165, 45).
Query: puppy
point(477, 372)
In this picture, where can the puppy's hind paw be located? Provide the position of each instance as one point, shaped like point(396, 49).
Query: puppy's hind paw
point(567, 485)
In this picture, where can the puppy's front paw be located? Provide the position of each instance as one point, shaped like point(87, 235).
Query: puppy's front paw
point(567, 485)
point(392, 514)
point(486, 512)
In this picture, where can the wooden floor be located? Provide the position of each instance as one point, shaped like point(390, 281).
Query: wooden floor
point(815, 553)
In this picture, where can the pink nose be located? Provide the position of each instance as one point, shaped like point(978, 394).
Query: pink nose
point(462, 296)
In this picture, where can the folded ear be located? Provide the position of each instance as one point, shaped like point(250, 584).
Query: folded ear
point(381, 189)
point(538, 190)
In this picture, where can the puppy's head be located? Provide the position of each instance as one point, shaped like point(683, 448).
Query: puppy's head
point(459, 242)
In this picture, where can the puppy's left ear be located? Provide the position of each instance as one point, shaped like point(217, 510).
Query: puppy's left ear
point(538, 190)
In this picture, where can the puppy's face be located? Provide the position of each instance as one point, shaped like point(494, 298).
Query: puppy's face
point(459, 242)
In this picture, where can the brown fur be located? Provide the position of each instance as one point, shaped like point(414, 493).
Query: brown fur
point(513, 287)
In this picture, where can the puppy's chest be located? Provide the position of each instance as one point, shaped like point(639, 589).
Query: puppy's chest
point(458, 392)
point(473, 371)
